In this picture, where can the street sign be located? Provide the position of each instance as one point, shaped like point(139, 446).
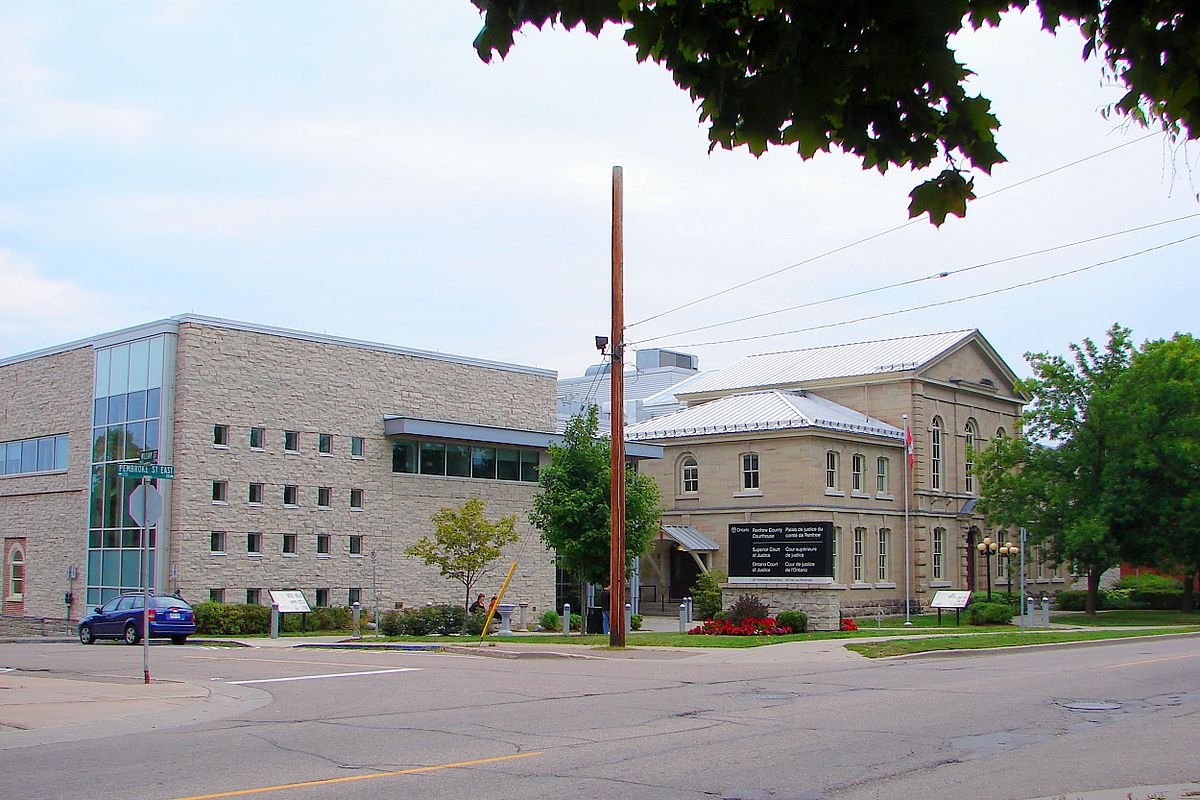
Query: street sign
point(148, 456)
point(164, 472)
point(145, 506)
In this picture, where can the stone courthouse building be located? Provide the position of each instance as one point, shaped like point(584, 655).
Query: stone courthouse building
point(817, 436)
point(302, 461)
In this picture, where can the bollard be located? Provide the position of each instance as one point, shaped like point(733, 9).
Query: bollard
point(628, 617)
point(274, 620)
point(566, 619)
point(683, 617)
point(1046, 611)
point(1029, 610)
point(524, 624)
point(355, 615)
point(688, 602)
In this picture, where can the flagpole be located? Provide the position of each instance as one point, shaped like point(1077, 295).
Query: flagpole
point(908, 459)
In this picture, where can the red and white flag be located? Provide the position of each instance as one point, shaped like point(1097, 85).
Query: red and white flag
point(908, 446)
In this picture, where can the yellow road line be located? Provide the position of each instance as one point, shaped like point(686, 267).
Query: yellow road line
point(1151, 661)
point(348, 778)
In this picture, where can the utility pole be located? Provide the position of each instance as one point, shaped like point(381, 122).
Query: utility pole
point(616, 582)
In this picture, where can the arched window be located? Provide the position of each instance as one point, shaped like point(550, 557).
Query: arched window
point(972, 437)
point(831, 469)
point(1000, 434)
point(749, 471)
point(939, 554)
point(935, 454)
point(885, 536)
point(689, 475)
point(881, 475)
point(860, 536)
point(16, 573)
point(858, 472)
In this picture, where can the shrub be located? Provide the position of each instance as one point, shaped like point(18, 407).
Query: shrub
point(749, 626)
point(256, 619)
point(989, 614)
point(747, 606)
point(706, 595)
point(576, 622)
point(389, 623)
point(796, 620)
point(1071, 600)
point(1119, 599)
point(550, 621)
point(1169, 600)
point(475, 623)
point(328, 619)
point(221, 619)
point(848, 625)
point(635, 621)
point(1149, 582)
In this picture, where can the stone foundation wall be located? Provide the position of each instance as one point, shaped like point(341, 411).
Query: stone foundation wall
point(36, 626)
point(821, 604)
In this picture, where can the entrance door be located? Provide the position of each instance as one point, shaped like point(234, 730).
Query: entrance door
point(684, 573)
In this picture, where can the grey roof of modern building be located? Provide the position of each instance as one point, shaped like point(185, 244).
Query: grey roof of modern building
point(638, 384)
point(794, 367)
point(171, 325)
point(770, 410)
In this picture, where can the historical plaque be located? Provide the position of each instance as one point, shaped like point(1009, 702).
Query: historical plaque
point(780, 552)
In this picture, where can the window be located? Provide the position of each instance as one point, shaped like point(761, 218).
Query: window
point(831, 470)
point(969, 460)
point(356, 499)
point(216, 542)
point(529, 465)
point(935, 454)
point(254, 544)
point(216, 595)
point(884, 536)
point(289, 544)
point(16, 573)
point(220, 436)
point(881, 475)
point(356, 543)
point(219, 489)
point(290, 493)
point(749, 471)
point(291, 441)
point(322, 598)
point(356, 447)
point(858, 472)
point(254, 597)
point(1000, 434)
point(483, 462)
point(458, 460)
point(323, 544)
point(354, 596)
point(323, 494)
point(325, 443)
point(463, 461)
point(860, 536)
point(837, 535)
point(49, 453)
point(508, 464)
point(939, 554)
point(404, 457)
point(255, 494)
point(433, 458)
point(690, 476)
point(258, 436)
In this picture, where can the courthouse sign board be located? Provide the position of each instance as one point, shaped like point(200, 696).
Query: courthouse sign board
point(781, 552)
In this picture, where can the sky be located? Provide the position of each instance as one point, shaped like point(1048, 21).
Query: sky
point(355, 169)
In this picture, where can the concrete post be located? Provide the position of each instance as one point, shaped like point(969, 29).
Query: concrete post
point(524, 623)
point(1029, 610)
point(683, 622)
point(688, 602)
point(356, 614)
point(1046, 611)
point(566, 619)
point(628, 617)
point(274, 620)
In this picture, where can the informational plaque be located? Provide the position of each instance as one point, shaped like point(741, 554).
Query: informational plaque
point(952, 599)
point(781, 552)
point(289, 601)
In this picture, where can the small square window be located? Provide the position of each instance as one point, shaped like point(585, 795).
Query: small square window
point(290, 494)
point(289, 544)
point(258, 438)
point(322, 598)
point(322, 544)
point(354, 596)
point(216, 595)
point(253, 597)
point(219, 489)
point(254, 544)
point(325, 443)
point(356, 446)
point(323, 494)
point(356, 499)
point(216, 542)
point(291, 441)
point(255, 495)
point(356, 544)
point(220, 436)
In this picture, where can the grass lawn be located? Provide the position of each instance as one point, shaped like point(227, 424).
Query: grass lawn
point(898, 647)
point(1156, 618)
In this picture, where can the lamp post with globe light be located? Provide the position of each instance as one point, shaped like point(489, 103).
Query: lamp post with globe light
point(987, 548)
point(1008, 550)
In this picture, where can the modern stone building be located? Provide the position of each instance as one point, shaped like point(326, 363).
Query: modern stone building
point(817, 435)
point(302, 461)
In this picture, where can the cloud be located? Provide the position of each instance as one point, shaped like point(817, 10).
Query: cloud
point(35, 309)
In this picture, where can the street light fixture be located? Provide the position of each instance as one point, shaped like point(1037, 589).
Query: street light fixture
point(987, 548)
point(1008, 550)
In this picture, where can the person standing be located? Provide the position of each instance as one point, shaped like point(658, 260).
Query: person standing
point(605, 600)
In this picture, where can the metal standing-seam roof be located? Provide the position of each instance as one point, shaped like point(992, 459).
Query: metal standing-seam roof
point(690, 538)
point(793, 367)
point(771, 410)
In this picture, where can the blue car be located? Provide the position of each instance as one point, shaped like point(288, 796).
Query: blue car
point(121, 618)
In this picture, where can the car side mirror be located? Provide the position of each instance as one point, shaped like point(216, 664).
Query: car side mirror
point(96, 610)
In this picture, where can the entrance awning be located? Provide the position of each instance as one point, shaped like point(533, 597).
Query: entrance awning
point(689, 538)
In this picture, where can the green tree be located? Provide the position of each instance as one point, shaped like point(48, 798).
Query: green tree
point(878, 80)
point(572, 510)
point(1051, 478)
point(1152, 469)
point(465, 544)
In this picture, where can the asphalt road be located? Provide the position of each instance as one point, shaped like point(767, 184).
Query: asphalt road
point(785, 722)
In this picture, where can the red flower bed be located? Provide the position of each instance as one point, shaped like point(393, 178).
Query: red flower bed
point(848, 625)
point(747, 627)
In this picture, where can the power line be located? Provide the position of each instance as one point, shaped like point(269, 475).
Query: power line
point(911, 281)
point(878, 235)
point(942, 302)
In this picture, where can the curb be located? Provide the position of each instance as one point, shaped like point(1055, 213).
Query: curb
point(1024, 648)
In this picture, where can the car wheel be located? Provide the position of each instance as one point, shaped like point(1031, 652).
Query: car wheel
point(132, 634)
point(178, 640)
point(85, 635)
